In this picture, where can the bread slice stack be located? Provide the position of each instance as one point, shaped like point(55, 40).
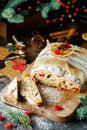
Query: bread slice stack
point(29, 90)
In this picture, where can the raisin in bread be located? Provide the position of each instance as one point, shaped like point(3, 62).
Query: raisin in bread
point(69, 72)
point(29, 89)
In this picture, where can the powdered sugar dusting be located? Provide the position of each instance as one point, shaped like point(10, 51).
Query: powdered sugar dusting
point(51, 94)
point(42, 123)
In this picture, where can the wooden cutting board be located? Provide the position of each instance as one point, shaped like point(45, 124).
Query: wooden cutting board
point(68, 100)
point(51, 96)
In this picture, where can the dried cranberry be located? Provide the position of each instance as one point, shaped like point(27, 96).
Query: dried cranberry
point(8, 125)
point(27, 113)
point(1, 118)
point(57, 107)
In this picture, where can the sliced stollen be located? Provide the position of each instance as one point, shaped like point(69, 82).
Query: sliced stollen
point(54, 80)
point(69, 72)
point(29, 89)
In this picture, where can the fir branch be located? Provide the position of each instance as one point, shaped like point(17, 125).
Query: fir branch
point(47, 7)
point(81, 112)
point(17, 18)
point(20, 118)
point(83, 100)
point(8, 13)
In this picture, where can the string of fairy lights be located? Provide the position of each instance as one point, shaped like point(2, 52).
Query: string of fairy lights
point(71, 10)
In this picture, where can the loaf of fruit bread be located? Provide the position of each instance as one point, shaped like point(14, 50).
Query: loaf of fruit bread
point(29, 90)
point(61, 65)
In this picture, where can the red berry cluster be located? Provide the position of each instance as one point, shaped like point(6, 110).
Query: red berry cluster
point(7, 125)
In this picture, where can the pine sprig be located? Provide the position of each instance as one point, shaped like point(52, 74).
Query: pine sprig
point(20, 118)
point(17, 18)
point(9, 12)
point(83, 100)
point(81, 112)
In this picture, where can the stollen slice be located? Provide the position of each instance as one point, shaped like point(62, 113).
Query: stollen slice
point(12, 91)
point(29, 89)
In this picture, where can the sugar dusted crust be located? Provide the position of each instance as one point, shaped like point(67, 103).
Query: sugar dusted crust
point(69, 69)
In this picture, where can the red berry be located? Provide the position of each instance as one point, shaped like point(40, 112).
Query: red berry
point(57, 107)
point(42, 75)
point(1, 118)
point(8, 125)
point(57, 52)
point(27, 113)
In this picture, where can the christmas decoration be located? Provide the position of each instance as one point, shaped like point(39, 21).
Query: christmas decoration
point(71, 11)
point(52, 10)
point(15, 13)
point(83, 100)
point(19, 118)
point(47, 7)
point(81, 112)
point(9, 12)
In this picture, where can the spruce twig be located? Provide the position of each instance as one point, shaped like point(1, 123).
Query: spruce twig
point(81, 112)
point(83, 100)
point(20, 118)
